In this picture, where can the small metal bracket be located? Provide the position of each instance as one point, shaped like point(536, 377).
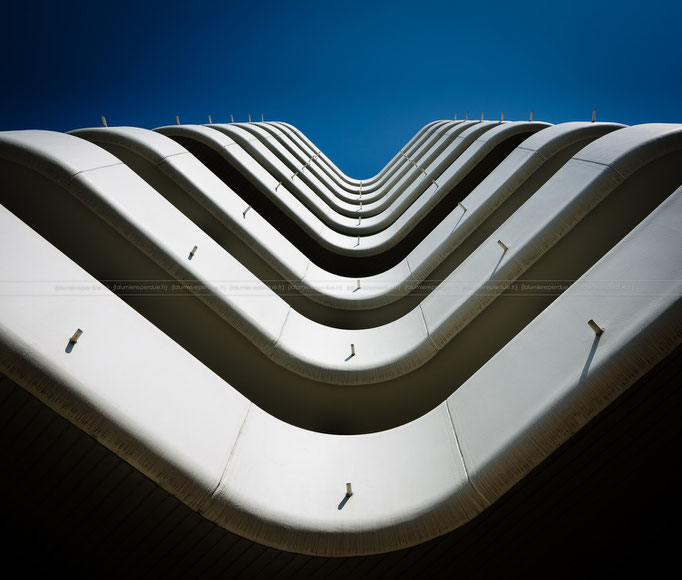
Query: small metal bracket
point(72, 341)
point(598, 330)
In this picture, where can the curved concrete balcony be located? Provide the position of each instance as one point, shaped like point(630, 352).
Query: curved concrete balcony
point(267, 251)
point(565, 290)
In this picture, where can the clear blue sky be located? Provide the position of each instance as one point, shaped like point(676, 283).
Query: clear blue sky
point(358, 77)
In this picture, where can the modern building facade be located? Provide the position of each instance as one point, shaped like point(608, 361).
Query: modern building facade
point(333, 367)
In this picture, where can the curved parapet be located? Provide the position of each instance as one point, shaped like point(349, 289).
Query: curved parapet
point(365, 203)
point(298, 158)
point(372, 355)
point(349, 183)
point(407, 152)
point(198, 194)
point(339, 252)
point(338, 225)
point(236, 402)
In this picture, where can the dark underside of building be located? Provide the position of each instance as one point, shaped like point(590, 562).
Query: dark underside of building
point(606, 502)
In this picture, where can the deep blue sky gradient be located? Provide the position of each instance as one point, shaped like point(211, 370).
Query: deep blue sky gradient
point(358, 77)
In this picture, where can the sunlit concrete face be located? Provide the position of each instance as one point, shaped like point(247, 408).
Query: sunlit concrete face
point(259, 330)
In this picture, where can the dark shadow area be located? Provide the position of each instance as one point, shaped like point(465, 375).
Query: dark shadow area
point(590, 357)
point(504, 252)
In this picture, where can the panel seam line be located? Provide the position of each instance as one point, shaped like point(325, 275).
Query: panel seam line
point(229, 458)
point(461, 456)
